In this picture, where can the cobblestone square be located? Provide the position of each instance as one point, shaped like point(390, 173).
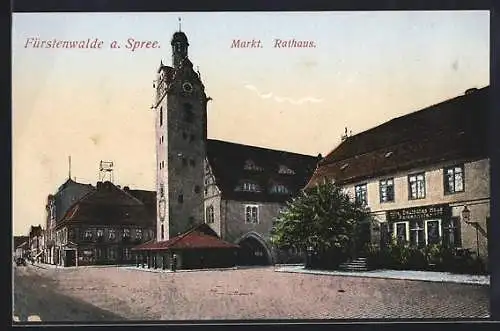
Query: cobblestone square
point(116, 293)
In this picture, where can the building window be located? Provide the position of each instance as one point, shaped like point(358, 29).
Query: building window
point(433, 232)
point(112, 253)
point(192, 162)
point(280, 188)
point(191, 137)
point(112, 234)
point(184, 162)
point(197, 189)
point(100, 234)
point(184, 135)
point(126, 233)
point(138, 234)
point(285, 170)
point(99, 253)
point(387, 190)
point(252, 214)
point(361, 195)
point(180, 198)
point(454, 179)
point(88, 235)
point(162, 190)
point(162, 232)
point(250, 187)
point(161, 116)
point(127, 254)
point(250, 165)
point(416, 186)
point(401, 231)
point(417, 233)
point(210, 214)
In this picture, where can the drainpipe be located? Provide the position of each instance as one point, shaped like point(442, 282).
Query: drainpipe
point(225, 219)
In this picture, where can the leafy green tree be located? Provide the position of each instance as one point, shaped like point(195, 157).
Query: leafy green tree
point(323, 218)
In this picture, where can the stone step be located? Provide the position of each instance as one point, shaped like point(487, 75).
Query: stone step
point(353, 269)
point(354, 264)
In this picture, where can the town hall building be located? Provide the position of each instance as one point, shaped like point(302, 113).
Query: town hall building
point(235, 190)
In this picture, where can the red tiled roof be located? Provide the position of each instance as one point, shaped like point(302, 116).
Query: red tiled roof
point(195, 238)
point(455, 129)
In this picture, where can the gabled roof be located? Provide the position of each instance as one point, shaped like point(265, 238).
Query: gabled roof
point(109, 205)
point(227, 161)
point(70, 182)
point(201, 236)
point(456, 129)
point(19, 240)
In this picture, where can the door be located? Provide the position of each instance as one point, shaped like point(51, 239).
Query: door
point(70, 258)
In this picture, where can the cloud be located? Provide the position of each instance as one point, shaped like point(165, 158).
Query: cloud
point(280, 99)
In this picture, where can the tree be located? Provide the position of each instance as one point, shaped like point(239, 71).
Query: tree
point(322, 218)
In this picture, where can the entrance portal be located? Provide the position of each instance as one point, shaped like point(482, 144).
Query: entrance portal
point(252, 252)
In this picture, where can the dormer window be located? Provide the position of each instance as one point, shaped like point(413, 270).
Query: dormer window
point(279, 188)
point(285, 170)
point(250, 165)
point(343, 167)
point(88, 235)
point(388, 154)
point(248, 187)
point(126, 233)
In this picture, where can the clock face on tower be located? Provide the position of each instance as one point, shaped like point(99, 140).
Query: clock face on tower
point(187, 87)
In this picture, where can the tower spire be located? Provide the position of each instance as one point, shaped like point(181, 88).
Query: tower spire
point(179, 24)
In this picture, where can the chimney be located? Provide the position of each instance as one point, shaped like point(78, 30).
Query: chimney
point(126, 188)
point(99, 185)
point(344, 136)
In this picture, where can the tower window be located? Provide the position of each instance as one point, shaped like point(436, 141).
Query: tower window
point(184, 162)
point(191, 137)
point(184, 135)
point(162, 232)
point(180, 198)
point(161, 116)
point(209, 214)
point(197, 189)
point(191, 162)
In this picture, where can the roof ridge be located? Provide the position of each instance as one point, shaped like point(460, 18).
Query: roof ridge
point(260, 147)
point(421, 110)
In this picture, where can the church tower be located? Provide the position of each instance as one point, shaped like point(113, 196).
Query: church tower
point(181, 133)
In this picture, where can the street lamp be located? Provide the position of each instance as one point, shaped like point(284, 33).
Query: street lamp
point(310, 251)
point(466, 219)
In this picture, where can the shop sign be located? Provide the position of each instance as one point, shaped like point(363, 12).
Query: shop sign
point(418, 213)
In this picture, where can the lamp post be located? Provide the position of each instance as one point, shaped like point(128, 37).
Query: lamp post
point(310, 251)
point(466, 219)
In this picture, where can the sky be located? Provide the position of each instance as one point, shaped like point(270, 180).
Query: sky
point(94, 104)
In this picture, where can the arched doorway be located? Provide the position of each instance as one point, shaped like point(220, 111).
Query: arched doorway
point(253, 251)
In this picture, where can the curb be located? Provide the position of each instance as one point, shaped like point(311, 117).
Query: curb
point(326, 273)
point(177, 271)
